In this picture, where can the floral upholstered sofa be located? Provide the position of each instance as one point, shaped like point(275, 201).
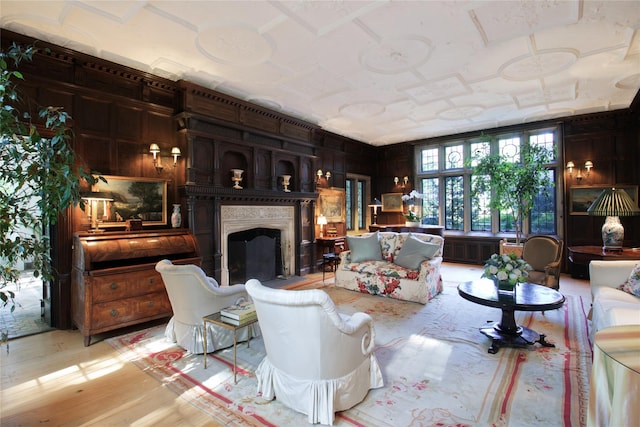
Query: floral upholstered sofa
point(405, 266)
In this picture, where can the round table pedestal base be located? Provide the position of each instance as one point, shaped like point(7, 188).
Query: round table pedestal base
point(522, 337)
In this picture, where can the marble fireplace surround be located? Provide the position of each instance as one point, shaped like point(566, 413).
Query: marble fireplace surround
point(235, 218)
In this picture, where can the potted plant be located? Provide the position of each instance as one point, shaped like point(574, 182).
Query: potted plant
point(39, 177)
point(412, 218)
point(513, 185)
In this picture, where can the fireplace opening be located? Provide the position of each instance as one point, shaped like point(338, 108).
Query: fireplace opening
point(255, 254)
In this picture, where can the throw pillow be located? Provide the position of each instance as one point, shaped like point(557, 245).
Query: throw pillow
point(414, 251)
point(365, 248)
point(632, 285)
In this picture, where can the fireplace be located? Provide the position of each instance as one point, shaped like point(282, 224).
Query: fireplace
point(255, 254)
point(238, 218)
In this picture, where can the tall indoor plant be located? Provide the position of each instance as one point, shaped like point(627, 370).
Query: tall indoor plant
point(39, 177)
point(513, 186)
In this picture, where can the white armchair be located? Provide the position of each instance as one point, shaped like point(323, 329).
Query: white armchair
point(318, 361)
point(193, 295)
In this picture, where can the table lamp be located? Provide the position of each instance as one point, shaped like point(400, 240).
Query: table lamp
point(92, 198)
point(375, 205)
point(322, 221)
point(613, 203)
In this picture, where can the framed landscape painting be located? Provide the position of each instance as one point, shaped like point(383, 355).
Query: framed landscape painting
point(392, 202)
point(132, 198)
point(581, 197)
point(332, 204)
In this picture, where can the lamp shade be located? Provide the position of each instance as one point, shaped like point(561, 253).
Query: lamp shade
point(613, 202)
point(375, 203)
point(322, 220)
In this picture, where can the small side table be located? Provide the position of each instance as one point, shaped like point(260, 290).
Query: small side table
point(216, 320)
point(331, 260)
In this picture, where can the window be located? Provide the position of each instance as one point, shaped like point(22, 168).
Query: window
point(447, 184)
point(357, 192)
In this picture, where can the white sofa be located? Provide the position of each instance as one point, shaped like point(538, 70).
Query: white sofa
point(611, 306)
point(405, 266)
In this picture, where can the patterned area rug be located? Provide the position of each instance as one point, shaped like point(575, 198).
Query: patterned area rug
point(435, 364)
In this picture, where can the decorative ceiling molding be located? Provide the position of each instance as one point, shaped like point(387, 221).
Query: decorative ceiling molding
point(376, 71)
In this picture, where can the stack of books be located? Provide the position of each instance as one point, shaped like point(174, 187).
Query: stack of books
point(238, 313)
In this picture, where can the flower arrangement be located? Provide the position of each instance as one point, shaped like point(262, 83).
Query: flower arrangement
point(507, 268)
point(411, 198)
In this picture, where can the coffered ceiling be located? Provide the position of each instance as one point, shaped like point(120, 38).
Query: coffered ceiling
point(377, 71)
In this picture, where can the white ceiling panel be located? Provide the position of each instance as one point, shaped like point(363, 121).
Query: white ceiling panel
point(377, 71)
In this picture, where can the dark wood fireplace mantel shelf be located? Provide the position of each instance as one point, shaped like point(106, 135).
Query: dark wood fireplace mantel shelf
point(246, 194)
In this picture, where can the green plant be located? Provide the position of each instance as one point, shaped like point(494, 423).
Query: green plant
point(513, 186)
point(39, 178)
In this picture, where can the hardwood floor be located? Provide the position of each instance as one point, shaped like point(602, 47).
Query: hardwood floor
point(52, 379)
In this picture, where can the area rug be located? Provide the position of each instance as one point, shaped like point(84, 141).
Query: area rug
point(435, 364)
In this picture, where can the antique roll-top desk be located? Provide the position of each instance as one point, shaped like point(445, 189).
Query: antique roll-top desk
point(114, 282)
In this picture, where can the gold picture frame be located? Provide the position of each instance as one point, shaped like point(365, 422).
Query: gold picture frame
point(392, 202)
point(332, 204)
point(133, 198)
point(581, 197)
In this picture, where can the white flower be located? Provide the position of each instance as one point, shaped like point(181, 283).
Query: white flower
point(502, 275)
point(493, 269)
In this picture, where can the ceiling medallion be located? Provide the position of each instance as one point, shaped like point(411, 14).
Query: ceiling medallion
point(395, 56)
point(459, 113)
point(631, 82)
point(234, 44)
point(362, 109)
point(540, 64)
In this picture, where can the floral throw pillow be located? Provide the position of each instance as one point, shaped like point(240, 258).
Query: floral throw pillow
point(632, 285)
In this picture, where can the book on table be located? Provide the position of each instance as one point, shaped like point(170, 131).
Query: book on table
point(239, 311)
point(237, 322)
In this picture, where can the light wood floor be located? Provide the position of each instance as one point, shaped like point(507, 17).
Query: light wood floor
point(51, 379)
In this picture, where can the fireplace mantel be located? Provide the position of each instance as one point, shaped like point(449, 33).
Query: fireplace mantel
point(246, 195)
point(214, 212)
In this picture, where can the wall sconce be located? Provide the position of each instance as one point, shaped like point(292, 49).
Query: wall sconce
point(319, 176)
point(588, 165)
point(155, 150)
point(405, 180)
point(175, 152)
point(322, 221)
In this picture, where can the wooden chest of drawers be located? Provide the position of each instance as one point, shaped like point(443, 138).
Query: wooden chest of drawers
point(114, 282)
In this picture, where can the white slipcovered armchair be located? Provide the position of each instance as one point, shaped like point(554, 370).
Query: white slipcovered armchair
point(193, 295)
point(318, 361)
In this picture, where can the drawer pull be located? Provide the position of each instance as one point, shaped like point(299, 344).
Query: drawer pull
point(114, 286)
point(151, 281)
point(113, 312)
point(150, 304)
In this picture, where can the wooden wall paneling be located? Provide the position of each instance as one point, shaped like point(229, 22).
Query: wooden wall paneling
point(201, 216)
point(61, 260)
point(134, 159)
point(97, 152)
point(93, 115)
point(128, 122)
point(58, 97)
point(263, 170)
point(201, 161)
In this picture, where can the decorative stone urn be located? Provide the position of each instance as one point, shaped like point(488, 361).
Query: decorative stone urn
point(237, 178)
point(285, 183)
